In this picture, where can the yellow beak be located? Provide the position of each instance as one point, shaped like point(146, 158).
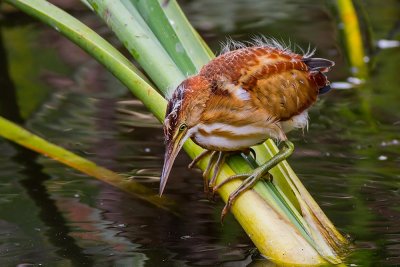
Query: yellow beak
point(172, 149)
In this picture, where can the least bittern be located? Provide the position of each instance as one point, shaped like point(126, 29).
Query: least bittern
point(240, 99)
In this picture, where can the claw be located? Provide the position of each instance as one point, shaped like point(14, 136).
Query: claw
point(225, 211)
point(198, 158)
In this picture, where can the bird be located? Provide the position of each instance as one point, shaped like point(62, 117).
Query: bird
point(249, 93)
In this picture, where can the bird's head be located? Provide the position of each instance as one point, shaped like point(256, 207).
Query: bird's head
point(183, 114)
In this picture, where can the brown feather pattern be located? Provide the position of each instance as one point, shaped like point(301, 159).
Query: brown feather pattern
point(260, 88)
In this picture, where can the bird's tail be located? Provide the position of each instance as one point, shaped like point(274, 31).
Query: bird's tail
point(318, 66)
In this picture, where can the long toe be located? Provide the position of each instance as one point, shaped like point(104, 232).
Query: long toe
point(227, 180)
point(220, 161)
point(198, 158)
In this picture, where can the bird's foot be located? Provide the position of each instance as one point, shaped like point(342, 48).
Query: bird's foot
point(216, 160)
point(215, 164)
point(268, 177)
point(220, 161)
point(251, 179)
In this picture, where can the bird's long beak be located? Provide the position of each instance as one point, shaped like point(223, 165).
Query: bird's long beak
point(172, 149)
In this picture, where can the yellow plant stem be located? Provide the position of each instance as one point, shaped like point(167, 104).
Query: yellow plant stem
point(353, 37)
point(17, 134)
point(262, 222)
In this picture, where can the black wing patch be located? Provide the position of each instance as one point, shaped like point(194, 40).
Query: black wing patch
point(318, 64)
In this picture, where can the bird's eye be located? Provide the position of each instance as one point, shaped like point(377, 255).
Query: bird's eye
point(182, 127)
